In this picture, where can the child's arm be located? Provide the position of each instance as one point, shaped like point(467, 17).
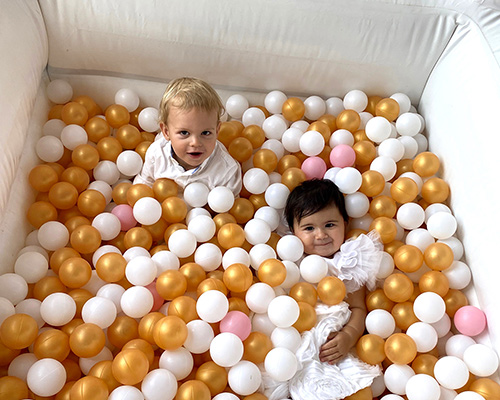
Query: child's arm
point(339, 343)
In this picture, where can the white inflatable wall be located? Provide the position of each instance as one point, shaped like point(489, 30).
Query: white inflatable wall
point(444, 54)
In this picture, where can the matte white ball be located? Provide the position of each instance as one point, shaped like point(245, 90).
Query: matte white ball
point(259, 253)
point(226, 349)
point(147, 210)
point(113, 292)
point(73, 135)
point(442, 326)
point(236, 105)
point(385, 165)
point(182, 243)
point(276, 195)
point(331, 173)
point(235, 255)
point(59, 91)
point(410, 216)
point(127, 392)
point(53, 127)
point(46, 377)
point(410, 146)
point(220, 199)
point(129, 163)
point(203, 227)
point(435, 208)
point(53, 235)
point(420, 238)
point(49, 148)
point(31, 307)
point(258, 297)
point(283, 311)
point(290, 247)
point(451, 372)
point(196, 194)
point(262, 323)
point(225, 396)
point(403, 101)
point(429, 307)
point(32, 266)
point(469, 395)
point(456, 246)
point(301, 124)
point(357, 204)
point(6, 309)
point(424, 336)
point(334, 106)
point(459, 275)
point(380, 322)
point(311, 143)
point(137, 301)
point(244, 378)
point(270, 215)
point(253, 116)
point(315, 107)
point(386, 267)
point(274, 100)
point(291, 139)
point(396, 376)
point(58, 309)
point(179, 361)
point(313, 268)
point(481, 360)
point(391, 397)
point(127, 98)
point(391, 148)
point(288, 338)
point(158, 384)
point(341, 136)
point(148, 119)
point(165, 260)
point(212, 306)
point(99, 311)
point(107, 171)
point(257, 231)
point(20, 365)
point(135, 251)
point(141, 271)
point(275, 146)
point(348, 180)
point(200, 335)
point(208, 256)
point(442, 225)
point(13, 287)
point(281, 364)
point(378, 129)
point(108, 225)
point(408, 124)
point(422, 387)
point(256, 180)
point(356, 100)
point(292, 274)
point(274, 127)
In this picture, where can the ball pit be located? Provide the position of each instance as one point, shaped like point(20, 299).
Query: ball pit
point(79, 195)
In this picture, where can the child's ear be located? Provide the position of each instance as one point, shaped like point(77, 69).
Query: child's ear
point(164, 130)
point(217, 129)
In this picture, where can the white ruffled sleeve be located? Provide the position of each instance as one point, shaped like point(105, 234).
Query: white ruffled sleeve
point(358, 261)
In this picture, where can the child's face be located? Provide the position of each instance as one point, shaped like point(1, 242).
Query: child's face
point(321, 233)
point(193, 134)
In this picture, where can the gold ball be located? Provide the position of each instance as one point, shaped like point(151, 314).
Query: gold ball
point(398, 287)
point(255, 134)
point(387, 108)
point(426, 164)
point(293, 177)
point(307, 317)
point(322, 128)
point(41, 212)
point(403, 315)
point(256, 346)
point(434, 281)
point(382, 206)
point(85, 156)
point(408, 258)
point(97, 128)
point(174, 209)
point(370, 349)
point(119, 193)
point(487, 388)
point(238, 277)
point(404, 190)
point(138, 236)
point(91, 202)
point(171, 284)
point(130, 366)
point(435, 190)
point(122, 330)
point(304, 292)
point(272, 271)
point(288, 161)
point(128, 136)
point(87, 340)
point(110, 267)
point(386, 228)
point(378, 300)
point(74, 113)
point(104, 371)
point(109, 148)
point(400, 348)
point(63, 195)
point(42, 177)
point(18, 331)
point(183, 307)
point(331, 290)
point(85, 239)
point(372, 183)
point(138, 191)
point(231, 235)
point(77, 176)
point(438, 256)
point(193, 390)
point(117, 115)
point(348, 119)
point(240, 149)
point(293, 109)
point(12, 387)
point(242, 210)
point(365, 152)
point(265, 159)
point(170, 332)
point(89, 387)
point(212, 375)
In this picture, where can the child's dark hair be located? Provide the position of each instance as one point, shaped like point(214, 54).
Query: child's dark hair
point(312, 196)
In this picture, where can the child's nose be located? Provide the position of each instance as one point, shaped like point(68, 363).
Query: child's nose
point(320, 233)
point(195, 141)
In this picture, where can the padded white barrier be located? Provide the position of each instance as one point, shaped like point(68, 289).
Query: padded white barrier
point(444, 54)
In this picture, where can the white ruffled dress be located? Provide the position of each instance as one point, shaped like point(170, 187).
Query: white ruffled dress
point(356, 264)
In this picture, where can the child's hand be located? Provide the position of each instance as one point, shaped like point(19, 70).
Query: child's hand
point(336, 347)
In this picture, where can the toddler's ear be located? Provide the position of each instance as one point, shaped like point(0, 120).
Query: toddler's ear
point(217, 129)
point(164, 130)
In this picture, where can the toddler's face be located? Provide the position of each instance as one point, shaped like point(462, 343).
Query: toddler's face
point(193, 134)
point(321, 233)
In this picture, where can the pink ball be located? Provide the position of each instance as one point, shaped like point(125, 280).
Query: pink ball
point(236, 322)
point(314, 167)
point(470, 320)
point(342, 156)
point(125, 215)
point(157, 299)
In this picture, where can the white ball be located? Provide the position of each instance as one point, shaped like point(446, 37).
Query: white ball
point(53, 127)
point(288, 338)
point(378, 129)
point(49, 148)
point(386, 267)
point(253, 116)
point(53, 235)
point(104, 188)
point(208, 256)
point(108, 225)
point(380, 322)
point(257, 231)
point(392, 397)
point(226, 349)
point(423, 143)
point(281, 364)
point(220, 199)
point(481, 360)
point(203, 227)
point(99, 311)
point(244, 378)
point(424, 336)
point(396, 376)
point(435, 208)
point(301, 124)
point(356, 100)
point(292, 274)
point(31, 307)
point(270, 215)
point(235, 255)
point(135, 251)
point(429, 307)
point(385, 165)
point(348, 180)
point(422, 387)
point(341, 136)
point(59, 91)
point(137, 301)
point(403, 101)
point(451, 372)
point(147, 210)
point(274, 101)
point(291, 139)
point(57, 309)
point(410, 216)
point(258, 297)
point(274, 127)
point(179, 361)
point(32, 266)
point(236, 105)
point(158, 384)
point(391, 148)
point(200, 335)
point(442, 225)
point(113, 292)
point(357, 204)
point(259, 253)
point(13, 287)
point(148, 119)
point(182, 243)
point(6, 309)
point(262, 323)
point(313, 268)
point(334, 106)
point(331, 173)
point(276, 195)
point(127, 392)
point(141, 271)
point(46, 377)
point(290, 247)
point(456, 246)
point(410, 146)
point(196, 194)
point(459, 275)
point(129, 163)
point(420, 238)
point(469, 395)
point(256, 180)
point(275, 146)
point(408, 124)
point(225, 396)
point(106, 171)
point(127, 98)
point(165, 260)
point(73, 135)
point(20, 365)
point(315, 107)
point(212, 306)
point(442, 326)
point(311, 143)
point(283, 311)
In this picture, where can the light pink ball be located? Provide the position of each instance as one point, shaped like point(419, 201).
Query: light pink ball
point(342, 156)
point(126, 216)
point(236, 322)
point(470, 320)
point(314, 167)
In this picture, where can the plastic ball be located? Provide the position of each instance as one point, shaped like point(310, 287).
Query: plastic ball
point(283, 311)
point(334, 105)
point(148, 119)
point(290, 248)
point(274, 127)
point(272, 272)
point(311, 143)
point(136, 302)
point(57, 309)
point(49, 148)
point(244, 378)
point(32, 266)
point(125, 214)
point(236, 105)
point(293, 109)
point(313, 268)
point(53, 235)
point(73, 136)
point(481, 360)
point(451, 372)
point(281, 364)
point(385, 165)
point(486, 387)
point(442, 225)
point(178, 361)
point(226, 349)
point(381, 323)
point(288, 338)
point(126, 392)
point(129, 163)
point(348, 180)
point(355, 100)
point(257, 231)
point(408, 124)
point(469, 395)
point(357, 204)
point(424, 336)
point(127, 98)
point(182, 243)
point(46, 377)
point(256, 180)
point(314, 167)
point(236, 322)
point(59, 91)
point(459, 275)
point(422, 387)
point(410, 216)
point(106, 171)
point(220, 199)
point(196, 194)
point(429, 307)
point(378, 129)
point(212, 306)
point(253, 116)
point(276, 195)
point(199, 337)
point(158, 384)
point(404, 190)
point(396, 376)
point(270, 215)
point(470, 320)
point(107, 224)
point(315, 107)
point(438, 256)
point(258, 297)
point(370, 349)
point(400, 348)
point(291, 139)
point(342, 155)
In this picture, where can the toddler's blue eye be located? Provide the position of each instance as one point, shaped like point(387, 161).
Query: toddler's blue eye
point(184, 133)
